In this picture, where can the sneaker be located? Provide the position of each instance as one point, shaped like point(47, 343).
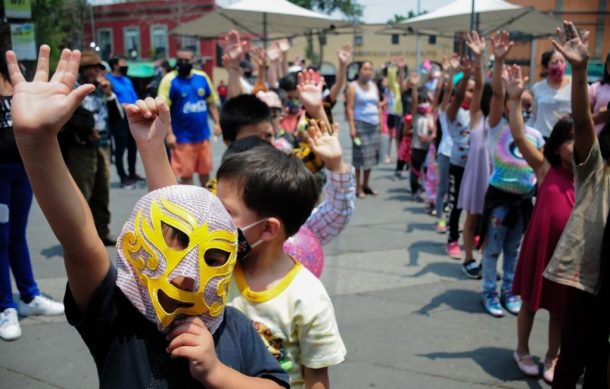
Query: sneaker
point(127, 183)
point(454, 251)
point(511, 302)
point(492, 305)
point(9, 325)
point(431, 210)
point(526, 364)
point(136, 177)
point(41, 305)
point(397, 175)
point(472, 269)
point(441, 226)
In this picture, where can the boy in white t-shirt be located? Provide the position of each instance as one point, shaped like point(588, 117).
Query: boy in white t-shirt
point(288, 305)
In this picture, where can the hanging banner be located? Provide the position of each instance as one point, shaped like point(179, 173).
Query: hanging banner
point(23, 41)
point(18, 9)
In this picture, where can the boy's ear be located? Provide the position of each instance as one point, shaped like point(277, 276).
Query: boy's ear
point(273, 229)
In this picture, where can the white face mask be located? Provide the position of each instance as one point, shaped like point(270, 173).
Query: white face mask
point(244, 247)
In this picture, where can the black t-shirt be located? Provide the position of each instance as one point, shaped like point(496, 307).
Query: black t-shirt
point(8, 147)
point(129, 350)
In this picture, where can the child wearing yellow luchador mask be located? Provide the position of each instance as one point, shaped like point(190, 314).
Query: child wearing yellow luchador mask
point(157, 318)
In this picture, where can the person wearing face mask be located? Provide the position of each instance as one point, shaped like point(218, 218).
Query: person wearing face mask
point(125, 94)
point(192, 98)
point(364, 119)
point(551, 95)
point(599, 96)
point(158, 318)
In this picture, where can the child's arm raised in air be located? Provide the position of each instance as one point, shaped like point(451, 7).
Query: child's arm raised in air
point(533, 156)
point(575, 49)
point(501, 45)
point(149, 122)
point(310, 92)
point(476, 44)
point(40, 109)
point(460, 91)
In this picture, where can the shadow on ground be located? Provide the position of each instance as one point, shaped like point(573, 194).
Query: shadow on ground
point(495, 361)
point(416, 249)
point(53, 251)
point(468, 301)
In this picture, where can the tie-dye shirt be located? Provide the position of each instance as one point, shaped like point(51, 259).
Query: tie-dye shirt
point(511, 173)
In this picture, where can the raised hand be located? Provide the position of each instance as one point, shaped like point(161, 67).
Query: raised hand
point(149, 120)
point(401, 62)
point(574, 46)
point(501, 44)
point(475, 42)
point(344, 53)
point(283, 45)
point(455, 65)
point(414, 79)
point(42, 107)
point(258, 56)
point(467, 67)
point(273, 52)
point(234, 50)
point(516, 83)
point(310, 90)
point(324, 142)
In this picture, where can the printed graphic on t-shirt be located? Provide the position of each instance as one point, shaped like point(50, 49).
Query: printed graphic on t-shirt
point(273, 339)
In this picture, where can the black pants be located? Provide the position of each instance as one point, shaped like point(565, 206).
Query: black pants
point(418, 157)
point(455, 182)
point(123, 140)
point(584, 343)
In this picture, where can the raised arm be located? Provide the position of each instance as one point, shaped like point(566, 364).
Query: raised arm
point(259, 57)
point(575, 49)
point(343, 54)
point(460, 92)
point(501, 45)
point(40, 108)
point(233, 54)
point(533, 156)
point(476, 44)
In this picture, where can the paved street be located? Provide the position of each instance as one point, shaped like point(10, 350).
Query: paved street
point(407, 314)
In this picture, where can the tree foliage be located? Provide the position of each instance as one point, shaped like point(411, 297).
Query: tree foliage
point(350, 8)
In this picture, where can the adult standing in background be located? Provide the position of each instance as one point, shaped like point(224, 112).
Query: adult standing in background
point(364, 119)
point(15, 203)
point(552, 95)
point(191, 97)
point(126, 94)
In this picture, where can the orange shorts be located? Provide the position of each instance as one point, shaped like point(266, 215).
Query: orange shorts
point(190, 158)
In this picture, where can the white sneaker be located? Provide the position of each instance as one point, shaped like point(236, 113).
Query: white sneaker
point(41, 305)
point(9, 325)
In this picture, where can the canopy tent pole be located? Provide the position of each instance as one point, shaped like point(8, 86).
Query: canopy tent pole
point(265, 36)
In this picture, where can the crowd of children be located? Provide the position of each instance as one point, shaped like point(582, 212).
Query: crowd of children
point(203, 291)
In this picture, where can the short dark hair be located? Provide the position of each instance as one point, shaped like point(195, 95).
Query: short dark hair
point(274, 185)
point(245, 144)
point(289, 82)
point(563, 131)
point(114, 61)
point(241, 111)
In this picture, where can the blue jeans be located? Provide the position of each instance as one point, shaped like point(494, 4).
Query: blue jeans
point(501, 239)
point(443, 184)
point(15, 203)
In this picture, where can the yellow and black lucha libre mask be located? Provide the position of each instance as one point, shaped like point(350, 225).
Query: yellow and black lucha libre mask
point(147, 265)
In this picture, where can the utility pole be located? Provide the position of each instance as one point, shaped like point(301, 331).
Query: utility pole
point(417, 43)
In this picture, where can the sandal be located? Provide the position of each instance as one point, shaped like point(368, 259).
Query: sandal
point(549, 371)
point(527, 365)
point(369, 191)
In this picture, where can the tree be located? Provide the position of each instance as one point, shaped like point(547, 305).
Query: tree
point(398, 18)
point(350, 8)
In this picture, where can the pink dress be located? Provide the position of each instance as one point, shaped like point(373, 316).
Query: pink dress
point(476, 173)
point(554, 204)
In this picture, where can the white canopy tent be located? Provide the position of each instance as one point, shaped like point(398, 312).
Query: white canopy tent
point(263, 18)
point(489, 15)
point(484, 16)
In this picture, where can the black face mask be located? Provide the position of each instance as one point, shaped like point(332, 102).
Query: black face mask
point(123, 70)
point(184, 68)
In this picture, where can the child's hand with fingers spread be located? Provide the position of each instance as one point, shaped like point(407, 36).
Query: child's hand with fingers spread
point(501, 45)
point(344, 53)
point(516, 83)
point(574, 46)
point(149, 121)
point(476, 43)
point(234, 50)
point(310, 91)
point(191, 339)
point(324, 142)
point(40, 108)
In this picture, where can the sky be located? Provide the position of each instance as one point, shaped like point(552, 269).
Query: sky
point(375, 11)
